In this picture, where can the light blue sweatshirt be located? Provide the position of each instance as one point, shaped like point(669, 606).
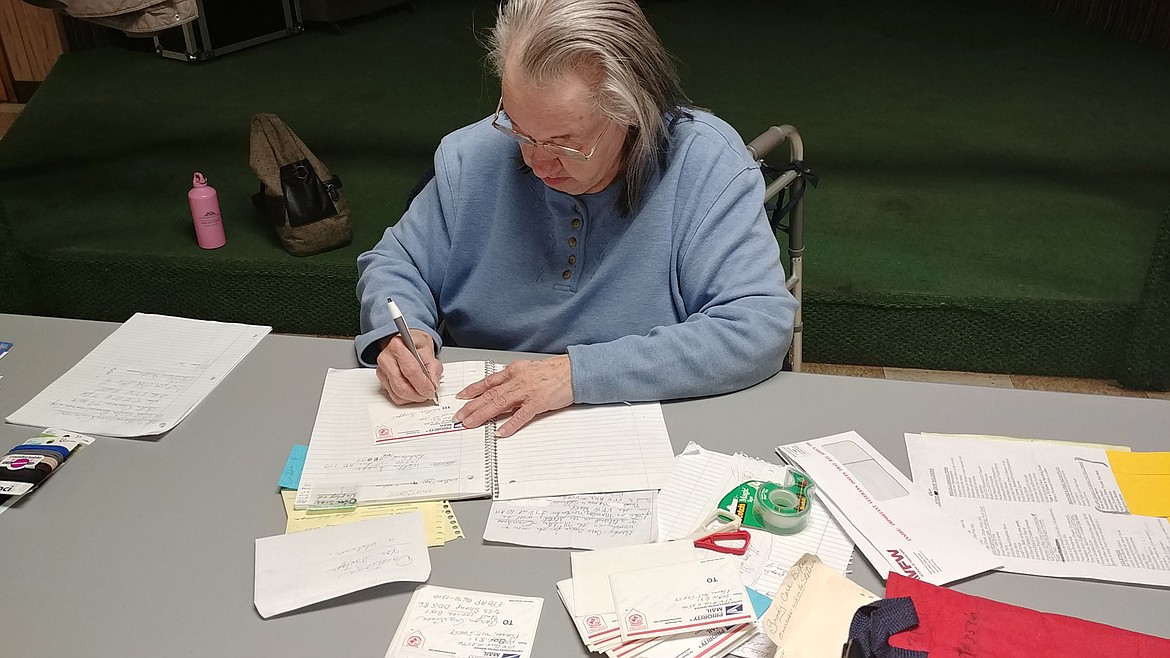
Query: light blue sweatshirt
point(685, 298)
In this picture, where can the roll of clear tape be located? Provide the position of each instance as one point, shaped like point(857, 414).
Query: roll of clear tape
point(784, 508)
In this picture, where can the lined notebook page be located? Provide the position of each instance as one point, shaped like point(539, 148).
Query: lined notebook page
point(586, 449)
point(343, 454)
point(144, 378)
point(691, 491)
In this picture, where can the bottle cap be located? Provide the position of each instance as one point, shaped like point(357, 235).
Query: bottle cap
point(199, 180)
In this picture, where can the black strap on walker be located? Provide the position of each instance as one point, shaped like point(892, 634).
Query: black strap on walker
point(780, 208)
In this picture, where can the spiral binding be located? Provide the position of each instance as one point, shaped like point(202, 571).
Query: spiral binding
point(489, 430)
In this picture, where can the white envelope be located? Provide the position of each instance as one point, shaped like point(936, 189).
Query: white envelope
point(912, 535)
point(592, 569)
point(711, 643)
point(598, 632)
point(681, 598)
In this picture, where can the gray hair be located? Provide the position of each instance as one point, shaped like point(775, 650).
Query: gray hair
point(546, 39)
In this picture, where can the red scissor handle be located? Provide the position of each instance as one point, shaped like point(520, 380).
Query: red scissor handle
point(733, 543)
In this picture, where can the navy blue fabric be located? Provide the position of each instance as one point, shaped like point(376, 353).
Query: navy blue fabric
point(873, 624)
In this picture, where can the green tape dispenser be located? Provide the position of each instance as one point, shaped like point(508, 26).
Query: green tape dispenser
point(782, 509)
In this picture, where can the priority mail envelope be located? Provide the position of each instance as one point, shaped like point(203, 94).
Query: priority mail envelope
point(914, 537)
point(680, 598)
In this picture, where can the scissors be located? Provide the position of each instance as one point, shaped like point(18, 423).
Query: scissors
point(728, 537)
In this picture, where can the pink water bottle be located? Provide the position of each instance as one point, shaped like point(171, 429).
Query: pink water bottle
point(205, 213)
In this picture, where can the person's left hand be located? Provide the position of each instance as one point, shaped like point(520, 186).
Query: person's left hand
point(527, 387)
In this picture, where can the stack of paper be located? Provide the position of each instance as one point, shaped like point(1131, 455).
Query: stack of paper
point(667, 600)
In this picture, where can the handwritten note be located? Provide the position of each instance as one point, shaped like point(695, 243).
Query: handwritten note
point(589, 521)
point(142, 379)
point(456, 623)
point(811, 611)
point(293, 571)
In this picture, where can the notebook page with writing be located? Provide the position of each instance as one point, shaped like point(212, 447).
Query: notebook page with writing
point(585, 449)
point(142, 379)
point(343, 453)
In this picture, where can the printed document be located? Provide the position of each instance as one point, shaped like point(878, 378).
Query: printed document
point(885, 509)
point(454, 623)
point(588, 521)
point(1042, 508)
point(293, 571)
point(142, 379)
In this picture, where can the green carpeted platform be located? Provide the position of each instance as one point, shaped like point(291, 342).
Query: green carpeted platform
point(993, 180)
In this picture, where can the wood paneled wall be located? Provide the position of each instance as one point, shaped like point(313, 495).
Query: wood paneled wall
point(31, 40)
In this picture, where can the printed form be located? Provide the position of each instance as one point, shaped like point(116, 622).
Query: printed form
point(1042, 508)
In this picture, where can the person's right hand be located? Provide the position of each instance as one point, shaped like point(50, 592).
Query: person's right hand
point(400, 373)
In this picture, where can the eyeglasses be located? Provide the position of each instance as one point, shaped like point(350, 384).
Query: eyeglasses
point(555, 149)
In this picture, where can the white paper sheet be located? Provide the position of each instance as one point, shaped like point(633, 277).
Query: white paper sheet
point(589, 521)
point(142, 379)
point(592, 569)
point(1045, 509)
point(454, 623)
point(914, 536)
point(810, 616)
point(681, 598)
point(293, 571)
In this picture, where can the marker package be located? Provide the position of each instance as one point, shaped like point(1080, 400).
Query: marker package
point(24, 467)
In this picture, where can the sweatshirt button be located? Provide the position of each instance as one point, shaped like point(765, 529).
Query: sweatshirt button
point(572, 260)
point(566, 275)
point(576, 223)
point(572, 242)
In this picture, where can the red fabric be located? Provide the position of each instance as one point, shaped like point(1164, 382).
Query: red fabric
point(956, 625)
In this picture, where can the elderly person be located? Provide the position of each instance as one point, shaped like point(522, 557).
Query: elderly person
point(595, 217)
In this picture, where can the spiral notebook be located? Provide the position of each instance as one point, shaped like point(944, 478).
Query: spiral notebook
point(581, 449)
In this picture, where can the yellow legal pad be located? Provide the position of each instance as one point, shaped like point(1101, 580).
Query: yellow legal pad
point(1144, 478)
point(438, 519)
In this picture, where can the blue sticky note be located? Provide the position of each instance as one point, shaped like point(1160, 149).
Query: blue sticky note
point(291, 477)
point(760, 603)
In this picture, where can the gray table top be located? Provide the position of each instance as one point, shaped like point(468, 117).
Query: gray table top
point(144, 547)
